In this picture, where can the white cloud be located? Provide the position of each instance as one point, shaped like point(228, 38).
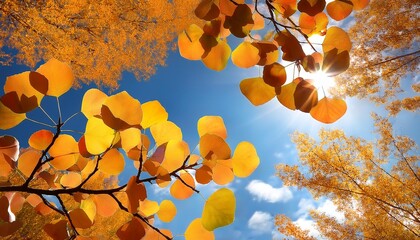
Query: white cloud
point(279, 155)
point(261, 222)
point(265, 192)
point(330, 209)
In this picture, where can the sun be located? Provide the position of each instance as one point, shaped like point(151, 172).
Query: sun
point(321, 81)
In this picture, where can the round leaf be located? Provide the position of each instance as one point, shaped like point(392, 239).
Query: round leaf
point(339, 9)
point(98, 136)
point(112, 162)
point(245, 55)
point(60, 77)
point(92, 102)
point(245, 160)
point(196, 231)
point(218, 56)
point(329, 110)
point(153, 113)
point(181, 191)
point(121, 111)
point(41, 139)
point(257, 91)
point(219, 209)
point(212, 125)
point(167, 211)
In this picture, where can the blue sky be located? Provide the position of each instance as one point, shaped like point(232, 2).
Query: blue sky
point(188, 91)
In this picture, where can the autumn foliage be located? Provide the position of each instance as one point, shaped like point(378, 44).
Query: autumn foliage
point(80, 173)
point(376, 184)
point(286, 26)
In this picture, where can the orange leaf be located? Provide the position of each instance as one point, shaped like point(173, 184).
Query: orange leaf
point(71, 180)
point(80, 219)
point(135, 192)
point(257, 91)
point(7, 229)
point(207, 10)
point(311, 7)
point(359, 4)
point(203, 175)
point(218, 56)
point(9, 148)
point(287, 91)
point(175, 154)
point(285, 7)
point(329, 110)
point(196, 231)
point(41, 139)
point(222, 174)
point(241, 22)
point(214, 147)
point(106, 206)
point(148, 207)
point(334, 63)
point(189, 43)
point(27, 161)
point(292, 50)
point(245, 55)
point(4, 212)
point(60, 77)
point(181, 191)
point(132, 230)
point(65, 152)
point(339, 9)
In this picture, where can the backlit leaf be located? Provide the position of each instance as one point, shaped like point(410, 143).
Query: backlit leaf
point(292, 50)
point(188, 43)
point(153, 113)
point(336, 38)
point(286, 96)
point(27, 161)
point(339, 9)
point(65, 152)
point(222, 174)
point(245, 160)
point(245, 55)
point(60, 77)
point(167, 211)
point(359, 4)
point(98, 136)
point(130, 138)
point(268, 52)
point(9, 119)
point(203, 175)
point(218, 56)
point(121, 111)
point(274, 74)
point(285, 7)
point(212, 125)
point(181, 191)
point(214, 147)
point(219, 209)
point(175, 154)
point(21, 84)
point(92, 102)
point(89, 207)
point(148, 207)
point(196, 231)
point(41, 139)
point(112, 162)
point(71, 180)
point(313, 25)
point(305, 96)
point(207, 10)
point(329, 110)
point(257, 91)
point(165, 131)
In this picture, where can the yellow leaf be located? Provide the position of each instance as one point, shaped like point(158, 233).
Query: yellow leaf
point(245, 160)
point(112, 162)
point(329, 110)
point(219, 209)
point(218, 56)
point(175, 154)
point(92, 102)
point(196, 231)
point(336, 38)
point(130, 138)
point(245, 55)
point(153, 113)
point(60, 77)
point(257, 91)
point(148, 208)
point(121, 111)
point(213, 125)
point(167, 211)
point(286, 94)
point(165, 131)
point(98, 136)
point(9, 119)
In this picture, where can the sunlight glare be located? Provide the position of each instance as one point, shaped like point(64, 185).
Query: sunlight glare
point(322, 81)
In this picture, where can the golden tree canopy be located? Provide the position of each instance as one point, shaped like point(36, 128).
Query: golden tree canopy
point(100, 39)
